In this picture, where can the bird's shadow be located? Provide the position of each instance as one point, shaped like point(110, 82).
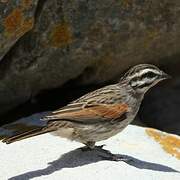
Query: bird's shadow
point(77, 158)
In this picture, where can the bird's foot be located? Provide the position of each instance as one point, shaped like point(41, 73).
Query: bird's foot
point(87, 148)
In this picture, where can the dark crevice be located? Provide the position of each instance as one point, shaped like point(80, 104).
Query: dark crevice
point(39, 9)
point(48, 100)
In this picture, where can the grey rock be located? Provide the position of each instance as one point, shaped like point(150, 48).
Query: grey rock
point(16, 18)
point(93, 41)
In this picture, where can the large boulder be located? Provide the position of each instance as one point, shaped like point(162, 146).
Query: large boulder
point(93, 41)
point(16, 18)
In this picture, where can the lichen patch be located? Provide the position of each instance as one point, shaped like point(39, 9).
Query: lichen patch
point(61, 35)
point(26, 4)
point(13, 20)
point(16, 24)
point(170, 143)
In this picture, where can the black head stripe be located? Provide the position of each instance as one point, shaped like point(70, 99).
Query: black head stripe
point(143, 76)
point(145, 85)
point(149, 75)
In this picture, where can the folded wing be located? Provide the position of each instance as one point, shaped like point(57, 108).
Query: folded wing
point(92, 113)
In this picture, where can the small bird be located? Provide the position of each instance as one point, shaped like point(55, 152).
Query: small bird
point(102, 113)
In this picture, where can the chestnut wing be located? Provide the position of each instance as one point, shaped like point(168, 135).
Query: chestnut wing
point(89, 114)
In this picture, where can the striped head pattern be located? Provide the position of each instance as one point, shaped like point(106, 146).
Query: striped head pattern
point(144, 76)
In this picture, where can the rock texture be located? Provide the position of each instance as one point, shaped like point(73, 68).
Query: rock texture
point(47, 43)
point(16, 18)
point(150, 154)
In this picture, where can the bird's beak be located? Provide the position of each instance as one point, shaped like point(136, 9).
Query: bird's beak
point(166, 76)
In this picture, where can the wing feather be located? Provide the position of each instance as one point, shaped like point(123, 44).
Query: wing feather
point(89, 114)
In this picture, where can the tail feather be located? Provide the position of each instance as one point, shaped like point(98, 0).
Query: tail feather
point(28, 134)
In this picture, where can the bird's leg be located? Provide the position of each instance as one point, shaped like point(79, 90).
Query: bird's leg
point(90, 145)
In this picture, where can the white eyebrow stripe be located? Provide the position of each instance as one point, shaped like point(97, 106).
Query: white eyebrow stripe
point(144, 71)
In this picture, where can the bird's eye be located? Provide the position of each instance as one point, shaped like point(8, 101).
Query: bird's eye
point(151, 75)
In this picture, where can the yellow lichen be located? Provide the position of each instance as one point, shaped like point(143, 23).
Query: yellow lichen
point(26, 4)
point(127, 3)
point(13, 20)
point(170, 143)
point(60, 35)
point(25, 26)
point(16, 24)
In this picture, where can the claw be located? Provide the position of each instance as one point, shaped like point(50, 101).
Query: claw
point(85, 148)
point(101, 146)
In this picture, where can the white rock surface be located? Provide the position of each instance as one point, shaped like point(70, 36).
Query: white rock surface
point(49, 157)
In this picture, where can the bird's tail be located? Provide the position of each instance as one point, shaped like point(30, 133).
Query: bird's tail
point(28, 134)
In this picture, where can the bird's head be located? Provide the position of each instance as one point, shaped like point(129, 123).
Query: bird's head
point(144, 76)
